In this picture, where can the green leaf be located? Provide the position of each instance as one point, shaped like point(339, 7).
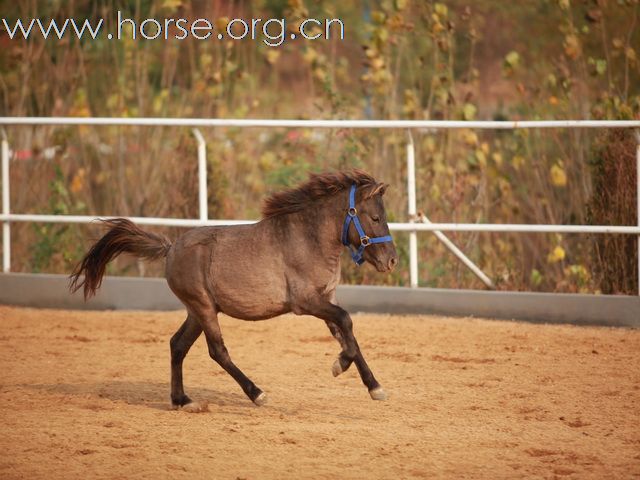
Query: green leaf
point(552, 81)
point(512, 59)
point(481, 157)
point(400, 4)
point(601, 66)
point(469, 111)
point(441, 9)
point(536, 278)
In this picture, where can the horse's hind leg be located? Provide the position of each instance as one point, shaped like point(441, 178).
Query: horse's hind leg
point(180, 344)
point(208, 320)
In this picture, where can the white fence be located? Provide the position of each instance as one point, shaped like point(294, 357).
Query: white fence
point(412, 227)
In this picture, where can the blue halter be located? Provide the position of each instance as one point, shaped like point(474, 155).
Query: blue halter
point(365, 241)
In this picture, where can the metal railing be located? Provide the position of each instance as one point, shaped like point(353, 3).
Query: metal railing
point(412, 226)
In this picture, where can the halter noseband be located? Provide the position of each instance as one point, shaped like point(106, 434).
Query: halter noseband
point(365, 241)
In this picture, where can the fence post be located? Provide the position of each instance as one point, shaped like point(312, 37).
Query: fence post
point(6, 227)
point(637, 132)
point(202, 175)
point(415, 217)
point(411, 195)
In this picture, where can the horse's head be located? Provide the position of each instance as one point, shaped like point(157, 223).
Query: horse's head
point(373, 219)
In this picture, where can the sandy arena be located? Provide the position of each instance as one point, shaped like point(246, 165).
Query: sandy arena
point(85, 395)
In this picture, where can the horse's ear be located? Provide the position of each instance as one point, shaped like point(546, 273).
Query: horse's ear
point(379, 189)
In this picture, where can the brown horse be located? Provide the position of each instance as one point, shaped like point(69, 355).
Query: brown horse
point(287, 262)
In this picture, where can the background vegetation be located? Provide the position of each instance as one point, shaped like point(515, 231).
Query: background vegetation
point(401, 59)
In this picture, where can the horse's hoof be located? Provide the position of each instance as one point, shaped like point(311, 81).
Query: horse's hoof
point(260, 399)
point(378, 394)
point(336, 369)
point(192, 407)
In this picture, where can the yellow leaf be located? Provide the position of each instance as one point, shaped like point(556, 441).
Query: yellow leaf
point(631, 54)
point(377, 63)
point(558, 175)
point(470, 138)
point(378, 17)
point(441, 9)
point(78, 181)
point(517, 162)
point(206, 60)
point(504, 186)
point(310, 55)
point(272, 55)
point(410, 102)
point(556, 255)
point(171, 5)
point(267, 160)
point(469, 111)
point(113, 101)
point(430, 144)
point(572, 46)
point(400, 4)
point(512, 59)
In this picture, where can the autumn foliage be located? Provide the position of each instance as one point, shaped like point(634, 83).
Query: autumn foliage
point(401, 59)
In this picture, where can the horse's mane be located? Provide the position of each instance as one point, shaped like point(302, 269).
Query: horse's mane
point(319, 185)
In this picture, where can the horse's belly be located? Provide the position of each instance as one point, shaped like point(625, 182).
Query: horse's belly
point(252, 297)
point(249, 311)
point(252, 307)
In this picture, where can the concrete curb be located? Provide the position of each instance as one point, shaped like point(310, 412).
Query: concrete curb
point(126, 293)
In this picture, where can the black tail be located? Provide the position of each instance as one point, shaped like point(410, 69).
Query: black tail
point(123, 236)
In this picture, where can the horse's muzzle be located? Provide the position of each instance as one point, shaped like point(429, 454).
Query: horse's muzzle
point(387, 267)
point(391, 264)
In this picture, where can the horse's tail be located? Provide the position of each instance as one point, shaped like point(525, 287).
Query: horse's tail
point(123, 236)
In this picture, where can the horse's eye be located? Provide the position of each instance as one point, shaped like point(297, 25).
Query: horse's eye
point(376, 219)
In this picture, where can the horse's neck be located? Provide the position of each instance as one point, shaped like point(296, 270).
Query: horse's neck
point(319, 227)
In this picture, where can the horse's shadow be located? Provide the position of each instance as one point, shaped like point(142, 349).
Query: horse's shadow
point(149, 394)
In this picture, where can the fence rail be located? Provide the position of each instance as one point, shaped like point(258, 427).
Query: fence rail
point(397, 227)
point(271, 123)
point(6, 217)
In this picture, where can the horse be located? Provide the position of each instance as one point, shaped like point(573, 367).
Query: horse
point(289, 261)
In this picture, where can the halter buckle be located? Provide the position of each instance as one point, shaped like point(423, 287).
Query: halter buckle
point(352, 212)
point(365, 241)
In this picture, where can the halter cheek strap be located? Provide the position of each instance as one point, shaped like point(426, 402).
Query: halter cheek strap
point(365, 241)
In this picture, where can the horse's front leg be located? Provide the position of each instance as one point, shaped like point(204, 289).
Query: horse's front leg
point(341, 326)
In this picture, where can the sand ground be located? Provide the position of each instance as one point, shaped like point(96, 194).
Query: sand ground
point(85, 395)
